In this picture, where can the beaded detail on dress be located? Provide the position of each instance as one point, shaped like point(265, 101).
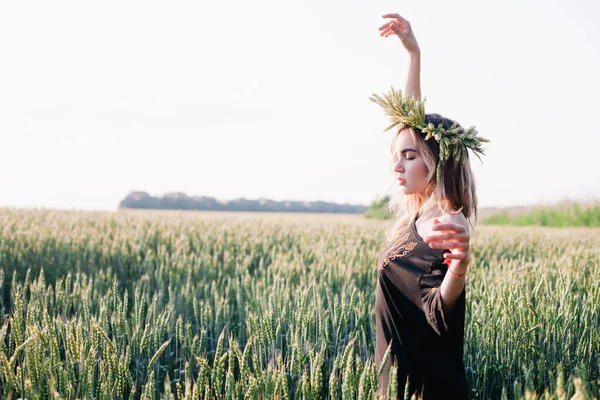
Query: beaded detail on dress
point(400, 251)
point(399, 248)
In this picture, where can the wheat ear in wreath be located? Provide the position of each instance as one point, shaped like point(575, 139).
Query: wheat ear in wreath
point(453, 142)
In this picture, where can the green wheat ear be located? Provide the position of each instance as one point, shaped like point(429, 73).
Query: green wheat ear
point(401, 109)
point(404, 110)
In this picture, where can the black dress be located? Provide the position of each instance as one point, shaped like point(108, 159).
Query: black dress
point(427, 344)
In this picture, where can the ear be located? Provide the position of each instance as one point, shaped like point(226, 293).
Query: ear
point(429, 190)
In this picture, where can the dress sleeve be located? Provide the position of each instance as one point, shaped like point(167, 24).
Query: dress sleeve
point(431, 298)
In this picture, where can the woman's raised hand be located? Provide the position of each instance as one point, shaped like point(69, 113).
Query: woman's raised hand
point(400, 27)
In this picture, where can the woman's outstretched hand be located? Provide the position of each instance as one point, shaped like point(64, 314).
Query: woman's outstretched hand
point(400, 27)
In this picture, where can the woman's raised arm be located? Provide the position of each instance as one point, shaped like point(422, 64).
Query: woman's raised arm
point(401, 27)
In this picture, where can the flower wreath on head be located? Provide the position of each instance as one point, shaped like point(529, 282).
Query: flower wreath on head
point(404, 110)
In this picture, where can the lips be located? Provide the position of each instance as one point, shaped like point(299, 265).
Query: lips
point(401, 180)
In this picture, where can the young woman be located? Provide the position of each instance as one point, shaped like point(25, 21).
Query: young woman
point(420, 295)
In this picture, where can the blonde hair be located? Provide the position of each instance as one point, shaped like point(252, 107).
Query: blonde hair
point(453, 194)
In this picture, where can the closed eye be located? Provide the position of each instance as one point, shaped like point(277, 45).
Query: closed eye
point(395, 156)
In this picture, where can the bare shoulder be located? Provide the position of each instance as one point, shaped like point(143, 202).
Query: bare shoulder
point(455, 218)
point(424, 226)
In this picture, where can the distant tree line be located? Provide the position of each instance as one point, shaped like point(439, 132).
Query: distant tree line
point(379, 209)
point(180, 201)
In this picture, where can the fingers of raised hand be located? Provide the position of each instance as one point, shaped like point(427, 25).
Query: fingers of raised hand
point(396, 16)
point(392, 24)
point(390, 28)
point(391, 32)
point(386, 25)
point(403, 24)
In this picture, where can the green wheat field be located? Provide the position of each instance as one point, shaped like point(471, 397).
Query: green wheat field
point(201, 305)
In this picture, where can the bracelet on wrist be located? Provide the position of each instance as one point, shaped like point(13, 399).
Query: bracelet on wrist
point(448, 261)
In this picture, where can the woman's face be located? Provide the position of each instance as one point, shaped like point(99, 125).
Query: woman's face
point(410, 168)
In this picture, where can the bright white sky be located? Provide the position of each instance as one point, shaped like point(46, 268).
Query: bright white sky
point(270, 98)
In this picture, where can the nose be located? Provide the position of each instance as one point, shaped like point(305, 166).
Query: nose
point(398, 167)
